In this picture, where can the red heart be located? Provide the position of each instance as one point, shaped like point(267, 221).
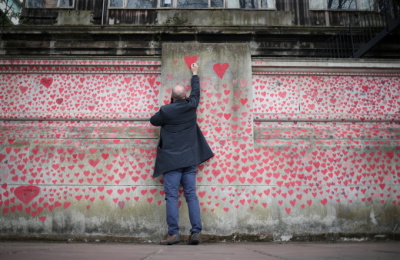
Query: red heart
point(151, 81)
point(46, 82)
point(282, 94)
point(94, 162)
point(190, 60)
point(26, 193)
point(220, 69)
point(23, 89)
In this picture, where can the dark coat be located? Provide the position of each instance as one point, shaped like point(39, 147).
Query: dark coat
point(181, 144)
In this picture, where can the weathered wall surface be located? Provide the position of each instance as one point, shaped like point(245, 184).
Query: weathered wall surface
point(329, 143)
point(298, 152)
point(90, 170)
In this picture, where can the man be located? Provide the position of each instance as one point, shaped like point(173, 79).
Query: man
point(181, 148)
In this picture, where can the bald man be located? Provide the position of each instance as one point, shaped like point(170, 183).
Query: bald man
point(178, 93)
point(180, 149)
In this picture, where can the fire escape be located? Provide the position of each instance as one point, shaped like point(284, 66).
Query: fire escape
point(363, 32)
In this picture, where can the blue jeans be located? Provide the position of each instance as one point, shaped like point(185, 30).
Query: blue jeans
point(172, 180)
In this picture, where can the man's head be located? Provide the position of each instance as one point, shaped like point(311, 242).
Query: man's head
point(178, 92)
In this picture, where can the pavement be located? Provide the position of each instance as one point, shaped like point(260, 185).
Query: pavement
point(212, 251)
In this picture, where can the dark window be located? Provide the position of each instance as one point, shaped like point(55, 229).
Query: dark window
point(342, 4)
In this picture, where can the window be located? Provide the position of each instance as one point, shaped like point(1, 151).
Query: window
point(250, 4)
point(141, 4)
point(195, 4)
point(50, 3)
point(133, 3)
point(192, 3)
point(367, 5)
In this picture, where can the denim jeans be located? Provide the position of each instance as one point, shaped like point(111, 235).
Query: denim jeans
point(172, 181)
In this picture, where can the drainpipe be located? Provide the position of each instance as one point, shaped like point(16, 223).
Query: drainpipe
point(102, 13)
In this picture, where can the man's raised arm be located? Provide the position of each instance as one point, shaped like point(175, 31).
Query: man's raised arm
point(195, 84)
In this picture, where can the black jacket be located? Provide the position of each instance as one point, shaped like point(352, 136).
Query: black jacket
point(181, 143)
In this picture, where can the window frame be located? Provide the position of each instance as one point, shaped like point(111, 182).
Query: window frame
point(325, 7)
point(56, 7)
point(175, 3)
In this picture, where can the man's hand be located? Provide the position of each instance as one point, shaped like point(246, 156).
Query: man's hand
point(194, 68)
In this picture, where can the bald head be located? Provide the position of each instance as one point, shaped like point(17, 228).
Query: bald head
point(178, 92)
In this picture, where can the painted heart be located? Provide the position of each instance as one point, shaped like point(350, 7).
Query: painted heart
point(23, 89)
point(94, 162)
point(26, 193)
point(189, 60)
point(46, 82)
point(220, 69)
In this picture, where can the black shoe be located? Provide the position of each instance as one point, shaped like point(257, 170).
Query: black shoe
point(194, 239)
point(170, 240)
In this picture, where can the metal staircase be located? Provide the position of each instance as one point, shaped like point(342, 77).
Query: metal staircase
point(363, 32)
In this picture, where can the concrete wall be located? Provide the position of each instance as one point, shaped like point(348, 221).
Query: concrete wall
point(74, 17)
point(303, 149)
